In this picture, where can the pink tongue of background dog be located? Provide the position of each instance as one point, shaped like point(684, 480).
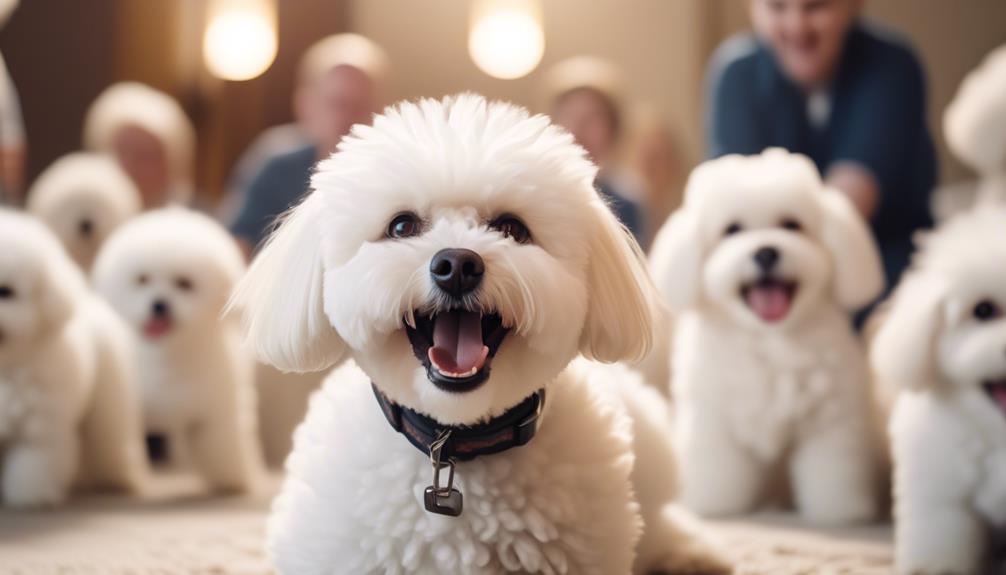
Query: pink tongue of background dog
point(769, 302)
point(156, 327)
point(998, 393)
point(457, 342)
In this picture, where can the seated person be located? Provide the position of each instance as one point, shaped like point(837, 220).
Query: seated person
point(338, 86)
point(815, 79)
point(150, 136)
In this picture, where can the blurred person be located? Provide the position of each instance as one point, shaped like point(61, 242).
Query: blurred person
point(815, 78)
point(13, 147)
point(656, 159)
point(339, 83)
point(150, 136)
point(584, 100)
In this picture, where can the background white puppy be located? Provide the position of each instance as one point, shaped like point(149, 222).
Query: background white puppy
point(943, 343)
point(458, 252)
point(763, 267)
point(66, 406)
point(82, 197)
point(169, 273)
point(975, 127)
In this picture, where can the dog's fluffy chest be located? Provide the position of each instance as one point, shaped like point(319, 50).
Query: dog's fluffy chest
point(17, 400)
point(775, 383)
point(557, 504)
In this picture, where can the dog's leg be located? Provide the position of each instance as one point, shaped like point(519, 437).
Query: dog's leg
point(834, 475)
point(685, 549)
point(226, 454)
point(113, 453)
point(719, 477)
point(938, 538)
point(38, 472)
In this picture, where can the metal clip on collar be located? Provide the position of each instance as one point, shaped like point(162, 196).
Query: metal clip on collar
point(443, 500)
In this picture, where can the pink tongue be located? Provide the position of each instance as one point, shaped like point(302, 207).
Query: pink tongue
point(156, 327)
point(769, 302)
point(457, 343)
point(998, 393)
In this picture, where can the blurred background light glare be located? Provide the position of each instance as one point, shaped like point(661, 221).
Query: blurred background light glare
point(506, 39)
point(240, 40)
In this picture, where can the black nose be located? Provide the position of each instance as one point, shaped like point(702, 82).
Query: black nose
point(457, 271)
point(160, 308)
point(766, 257)
point(85, 227)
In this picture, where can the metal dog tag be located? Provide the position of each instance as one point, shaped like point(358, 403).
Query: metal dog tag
point(443, 503)
point(442, 500)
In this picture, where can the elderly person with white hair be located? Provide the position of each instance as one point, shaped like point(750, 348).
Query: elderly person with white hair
point(338, 86)
point(150, 136)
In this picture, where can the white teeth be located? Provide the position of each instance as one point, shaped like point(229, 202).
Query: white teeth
point(468, 373)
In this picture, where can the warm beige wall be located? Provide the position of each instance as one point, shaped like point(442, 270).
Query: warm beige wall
point(655, 42)
point(661, 46)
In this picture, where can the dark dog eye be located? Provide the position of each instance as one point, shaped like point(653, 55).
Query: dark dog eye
point(791, 224)
point(732, 229)
point(142, 279)
point(511, 227)
point(986, 310)
point(404, 226)
point(183, 283)
point(7, 292)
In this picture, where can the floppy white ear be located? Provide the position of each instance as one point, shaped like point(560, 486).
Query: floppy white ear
point(281, 296)
point(857, 274)
point(623, 303)
point(676, 260)
point(903, 352)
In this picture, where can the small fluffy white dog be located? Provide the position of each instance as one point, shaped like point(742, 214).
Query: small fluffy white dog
point(458, 252)
point(82, 197)
point(169, 273)
point(763, 266)
point(67, 409)
point(943, 343)
point(975, 127)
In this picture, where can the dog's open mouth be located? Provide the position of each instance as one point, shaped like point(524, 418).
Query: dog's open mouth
point(769, 298)
point(996, 390)
point(456, 347)
point(157, 326)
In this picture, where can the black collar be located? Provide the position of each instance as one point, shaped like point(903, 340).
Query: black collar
point(513, 428)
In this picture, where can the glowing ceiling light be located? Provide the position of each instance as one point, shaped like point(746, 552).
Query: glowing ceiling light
point(506, 39)
point(240, 40)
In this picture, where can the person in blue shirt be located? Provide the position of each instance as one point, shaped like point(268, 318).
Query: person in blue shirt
point(584, 101)
point(338, 87)
point(814, 78)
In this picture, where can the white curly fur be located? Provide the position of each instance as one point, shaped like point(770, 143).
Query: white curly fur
point(948, 436)
point(753, 395)
point(196, 381)
point(82, 197)
point(329, 284)
point(975, 127)
point(67, 409)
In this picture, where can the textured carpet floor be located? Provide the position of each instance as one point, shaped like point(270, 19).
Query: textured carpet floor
point(178, 531)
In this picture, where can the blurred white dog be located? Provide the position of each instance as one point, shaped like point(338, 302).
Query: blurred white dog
point(975, 127)
point(763, 266)
point(82, 197)
point(169, 273)
point(67, 409)
point(943, 343)
point(458, 252)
